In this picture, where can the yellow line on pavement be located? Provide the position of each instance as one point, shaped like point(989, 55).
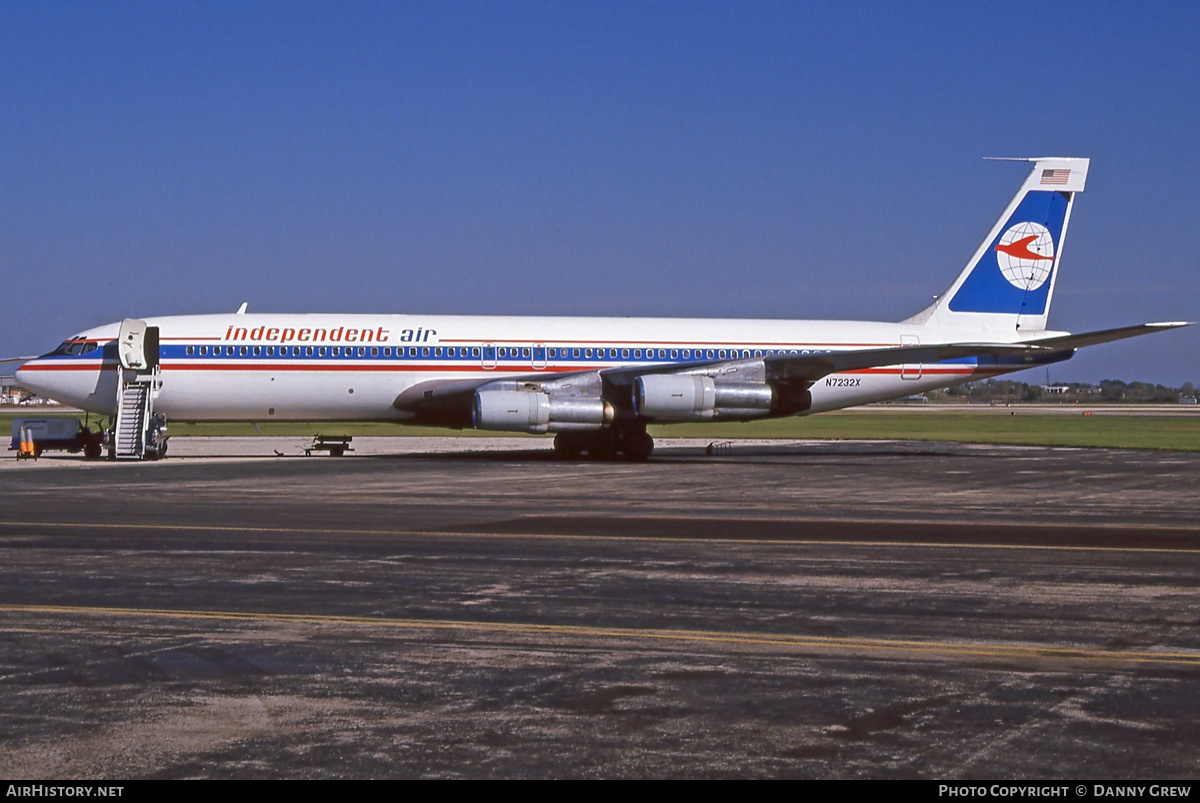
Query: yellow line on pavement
point(822, 643)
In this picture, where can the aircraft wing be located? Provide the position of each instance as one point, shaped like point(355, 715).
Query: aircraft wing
point(449, 402)
point(807, 369)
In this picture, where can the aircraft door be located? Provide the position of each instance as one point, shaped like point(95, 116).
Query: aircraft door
point(910, 370)
point(137, 345)
point(488, 353)
point(539, 356)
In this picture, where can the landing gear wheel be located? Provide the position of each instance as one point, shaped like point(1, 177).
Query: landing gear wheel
point(638, 446)
point(568, 446)
point(602, 447)
point(92, 451)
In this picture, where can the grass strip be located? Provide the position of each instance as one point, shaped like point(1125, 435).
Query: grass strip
point(1001, 426)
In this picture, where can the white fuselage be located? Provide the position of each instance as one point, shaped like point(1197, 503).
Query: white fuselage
point(266, 367)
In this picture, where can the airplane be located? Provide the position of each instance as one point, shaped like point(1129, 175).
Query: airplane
point(594, 382)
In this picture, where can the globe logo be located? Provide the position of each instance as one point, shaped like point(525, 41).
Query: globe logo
point(1025, 255)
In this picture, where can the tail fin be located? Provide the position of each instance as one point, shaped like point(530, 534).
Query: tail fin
point(1008, 284)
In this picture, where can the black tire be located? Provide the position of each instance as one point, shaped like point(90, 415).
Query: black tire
point(336, 451)
point(567, 447)
point(92, 450)
point(638, 446)
point(602, 446)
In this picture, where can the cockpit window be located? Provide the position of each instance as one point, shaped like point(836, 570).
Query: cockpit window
point(76, 347)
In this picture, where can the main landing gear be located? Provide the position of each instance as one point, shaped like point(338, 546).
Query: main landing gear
point(605, 444)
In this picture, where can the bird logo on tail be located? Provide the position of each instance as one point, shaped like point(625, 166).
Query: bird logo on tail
point(1025, 255)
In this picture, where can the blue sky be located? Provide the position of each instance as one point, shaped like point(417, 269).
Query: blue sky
point(784, 160)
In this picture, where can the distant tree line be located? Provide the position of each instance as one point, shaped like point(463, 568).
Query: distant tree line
point(1109, 390)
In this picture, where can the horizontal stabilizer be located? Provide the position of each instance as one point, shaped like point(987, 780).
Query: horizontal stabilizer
point(1106, 335)
point(809, 368)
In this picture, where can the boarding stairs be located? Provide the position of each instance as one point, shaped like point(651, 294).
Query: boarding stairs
point(137, 432)
point(135, 406)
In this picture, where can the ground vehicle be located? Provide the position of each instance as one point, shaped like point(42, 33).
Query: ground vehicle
point(58, 433)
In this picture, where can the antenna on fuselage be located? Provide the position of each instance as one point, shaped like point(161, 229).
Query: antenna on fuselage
point(242, 309)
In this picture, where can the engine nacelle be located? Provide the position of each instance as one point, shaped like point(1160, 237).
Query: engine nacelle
point(537, 413)
point(669, 397)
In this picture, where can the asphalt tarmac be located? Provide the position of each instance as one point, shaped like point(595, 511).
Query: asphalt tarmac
point(770, 610)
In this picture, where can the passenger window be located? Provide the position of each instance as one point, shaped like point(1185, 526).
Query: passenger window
point(308, 351)
point(189, 350)
point(374, 351)
point(257, 350)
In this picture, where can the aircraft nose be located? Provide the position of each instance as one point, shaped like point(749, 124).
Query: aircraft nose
point(29, 377)
point(45, 378)
point(83, 383)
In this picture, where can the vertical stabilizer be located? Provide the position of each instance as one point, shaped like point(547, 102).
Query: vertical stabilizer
point(1009, 282)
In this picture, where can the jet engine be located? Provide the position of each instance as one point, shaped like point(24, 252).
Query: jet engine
point(534, 412)
point(669, 397)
